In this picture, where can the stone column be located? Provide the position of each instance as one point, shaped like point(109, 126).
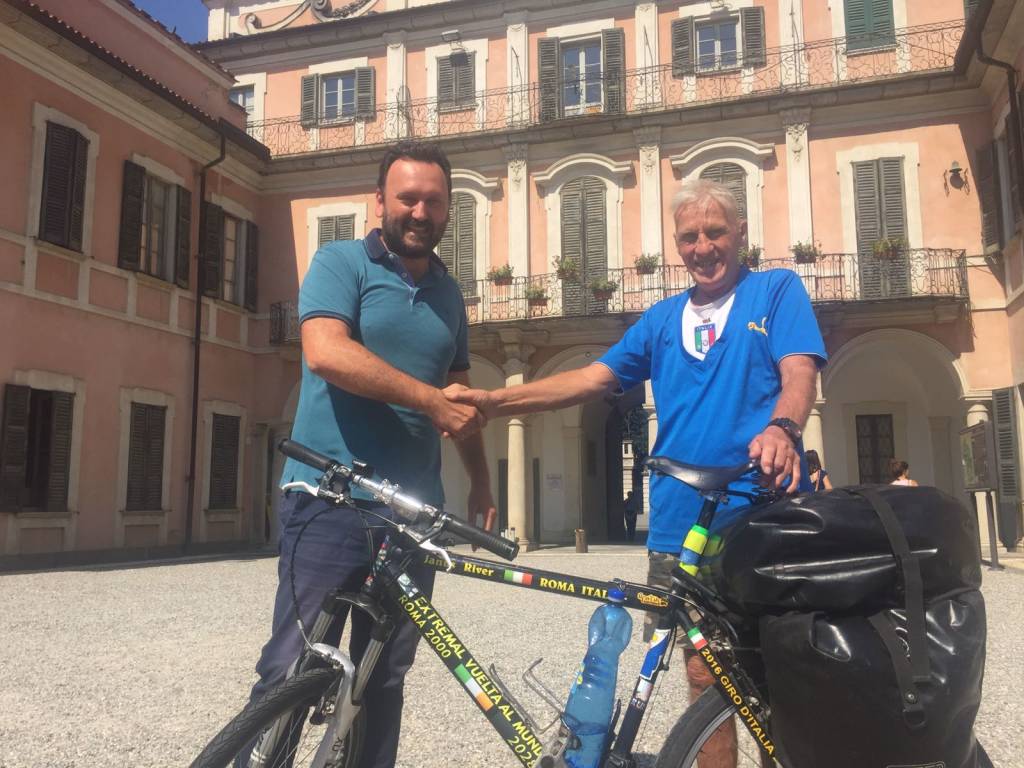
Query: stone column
point(397, 91)
point(572, 436)
point(977, 413)
point(518, 210)
point(515, 367)
point(517, 68)
point(798, 174)
point(813, 439)
point(648, 140)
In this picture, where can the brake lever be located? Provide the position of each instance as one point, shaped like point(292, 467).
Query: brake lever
point(301, 486)
point(441, 552)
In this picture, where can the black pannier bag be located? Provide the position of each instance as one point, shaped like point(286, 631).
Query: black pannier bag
point(872, 628)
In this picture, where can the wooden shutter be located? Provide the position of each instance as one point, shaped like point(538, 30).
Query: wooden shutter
point(895, 271)
point(446, 248)
point(1004, 422)
point(183, 237)
point(465, 242)
point(595, 240)
point(969, 7)
point(572, 244)
point(252, 256)
point(146, 457)
point(733, 178)
point(224, 462)
point(856, 12)
point(133, 197)
point(754, 45)
point(869, 226)
point(345, 227)
point(1015, 182)
point(989, 196)
point(548, 54)
point(882, 25)
point(79, 171)
point(445, 81)
point(682, 47)
point(60, 452)
point(309, 110)
point(213, 250)
point(325, 230)
point(62, 203)
point(366, 92)
point(465, 79)
point(14, 446)
point(613, 69)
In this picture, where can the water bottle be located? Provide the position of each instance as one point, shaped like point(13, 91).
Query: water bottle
point(588, 712)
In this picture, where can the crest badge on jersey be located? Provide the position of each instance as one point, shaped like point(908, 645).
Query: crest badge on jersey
point(703, 337)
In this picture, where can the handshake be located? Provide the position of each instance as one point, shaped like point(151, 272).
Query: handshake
point(459, 412)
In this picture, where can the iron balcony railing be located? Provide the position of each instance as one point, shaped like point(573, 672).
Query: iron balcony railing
point(833, 277)
point(804, 67)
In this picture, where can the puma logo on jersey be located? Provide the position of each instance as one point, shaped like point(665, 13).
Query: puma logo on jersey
point(762, 328)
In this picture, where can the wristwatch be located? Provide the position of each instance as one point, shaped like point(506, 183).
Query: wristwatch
point(790, 427)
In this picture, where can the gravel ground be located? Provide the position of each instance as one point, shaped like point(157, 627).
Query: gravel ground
point(140, 666)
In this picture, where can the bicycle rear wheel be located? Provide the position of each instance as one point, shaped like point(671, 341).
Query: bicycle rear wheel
point(294, 740)
point(697, 724)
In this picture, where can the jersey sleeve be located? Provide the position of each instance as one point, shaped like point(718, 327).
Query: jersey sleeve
point(331, 287)
point(630, 359)
point(792, 326)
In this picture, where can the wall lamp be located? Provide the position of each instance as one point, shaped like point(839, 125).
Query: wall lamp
point(955, 177)
point(451, 36)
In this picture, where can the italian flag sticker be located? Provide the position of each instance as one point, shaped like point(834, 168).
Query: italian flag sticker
point(516, 577)
point(482, 699)
point(696, 638)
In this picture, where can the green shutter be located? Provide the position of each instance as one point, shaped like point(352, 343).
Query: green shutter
point(595, 239)
point(183, 237)
point(213, 251)
point(548, 54)
point(869, 24)
point(325, 230)
point(1004, 422)
point(572, 244)
point(882, 28)
point(366, 92)
point(856, 12)
point(252, 256)
point(310, 97)
point(869, 226)
point(224, 462)
point(446, 248)
point(989, 196)
point(754, 45)
point(465, 79)
point(733, 178)
point(682, 47)
point(895, 271)
point(14, 446)
point(445, 82)
point(465, 242)
point(613, 69)
point(133, 197)
point(60, 452)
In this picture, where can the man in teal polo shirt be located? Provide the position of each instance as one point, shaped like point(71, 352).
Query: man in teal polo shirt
point(383, 333)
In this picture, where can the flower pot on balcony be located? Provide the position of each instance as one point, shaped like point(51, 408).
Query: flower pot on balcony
point(567, 274)
point(805, 253)
point(502, 280)
point(603, 295)
point(647, 264)
point(501, 275)
point(645, 270)
point(537, 301)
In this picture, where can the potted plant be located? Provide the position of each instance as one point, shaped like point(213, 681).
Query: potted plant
point(536, 296)
point(500, 275)
point(805, 253)
point(750, 255)
point(647, 263)
point(566, 268)
point(889, 247)
point(602, 288)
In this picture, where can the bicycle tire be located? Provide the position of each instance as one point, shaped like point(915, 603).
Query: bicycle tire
point(695, 726)
point(291, 699)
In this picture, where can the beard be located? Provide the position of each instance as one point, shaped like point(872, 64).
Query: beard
point(411, 239)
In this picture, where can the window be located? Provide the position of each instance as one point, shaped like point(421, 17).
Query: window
point(584, 239)
point(331, 228)
point(62, 209)
point(338, 96)
point(156, 226)
point(734, 178)
point(1006, 428)
point(457, 248)
point(35, 449)
point(703, 45)
point(716, 45)
point(881, 214)
point(146, 458)
point(581, 76)
point(456, 81)
point(874, 447)
point(224, 462)
point(245, 97)
point(229, 268)
point(869, 24)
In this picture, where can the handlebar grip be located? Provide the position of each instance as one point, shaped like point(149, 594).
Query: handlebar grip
point(496, 544)
point(299, 452)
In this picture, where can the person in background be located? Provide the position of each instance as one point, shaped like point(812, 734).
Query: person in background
point(632, 509)
point(899, 470)
point(816, 473)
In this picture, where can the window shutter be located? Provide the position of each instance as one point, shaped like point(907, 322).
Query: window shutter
point(224, 462)
point(869, 226)
point(156, 423)
point(989, 195)
point(252, 256)
point(465, 80)
point(550, 79)
point(345, 227)
point(60, 452)
point(856, 12)
point(366, 92)
point(446, 248)
point(882, 25)
point(309, 110)
point(572, 244)
point(733, 178)
point(1016, 183)
point(754, 46)
point(595, 241)
point(1004, 422)
point(325, 230)
point(79, 171)
point(682, 47)
point(894, 225)
point(613, 69)
point(213, 254)
point(133, 195)
point(146, 458)
point(445, 81)
point(969, 7)
point(183, 237)
point(55, 203)
point(14, 446)
point(465, 267)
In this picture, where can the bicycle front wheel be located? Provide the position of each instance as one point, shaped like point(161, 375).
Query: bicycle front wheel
point(699, 723)
point(280, 723)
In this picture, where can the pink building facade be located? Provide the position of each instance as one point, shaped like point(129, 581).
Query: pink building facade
point(873, 149)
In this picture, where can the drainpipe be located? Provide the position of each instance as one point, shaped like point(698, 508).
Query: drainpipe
point(1016, 136)
point(196, 346)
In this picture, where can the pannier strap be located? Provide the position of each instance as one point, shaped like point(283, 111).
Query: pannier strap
point(910, 697)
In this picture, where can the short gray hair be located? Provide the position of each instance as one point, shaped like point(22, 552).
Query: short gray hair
point(695, 191)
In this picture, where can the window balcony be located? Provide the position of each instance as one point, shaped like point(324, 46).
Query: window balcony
point(807, 67)
point(918, 285)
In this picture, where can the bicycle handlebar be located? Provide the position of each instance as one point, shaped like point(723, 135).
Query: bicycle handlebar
point(405, 505)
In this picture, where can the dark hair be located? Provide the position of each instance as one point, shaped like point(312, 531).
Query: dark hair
point(897, 468)
point(421, 151)
point(813, 462)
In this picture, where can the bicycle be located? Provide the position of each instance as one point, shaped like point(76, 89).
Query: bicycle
point(314, 716)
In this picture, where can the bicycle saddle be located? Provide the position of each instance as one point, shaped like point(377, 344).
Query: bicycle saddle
point(700, 478)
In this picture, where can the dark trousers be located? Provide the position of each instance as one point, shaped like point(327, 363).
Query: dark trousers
point(336, 550)
point(631, 527)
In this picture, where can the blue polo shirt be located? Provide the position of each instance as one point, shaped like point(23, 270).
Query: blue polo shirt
point(709, 410)
point(417, 328)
